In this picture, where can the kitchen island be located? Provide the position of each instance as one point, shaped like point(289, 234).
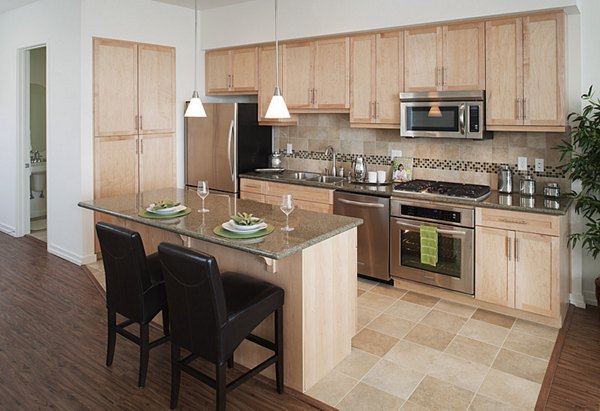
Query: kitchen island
point(315, 264)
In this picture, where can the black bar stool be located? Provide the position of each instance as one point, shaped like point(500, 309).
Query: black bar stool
point(212, 313)
point(134, 289)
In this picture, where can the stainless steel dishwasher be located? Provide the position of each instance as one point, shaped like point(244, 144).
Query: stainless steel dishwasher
point(373, 234)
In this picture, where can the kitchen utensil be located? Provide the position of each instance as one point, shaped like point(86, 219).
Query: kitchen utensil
point(359, 169)
point(505, 176)
point(552, 190)
point(372, 176)
point(527, 186)
point(275, 159)
point(381, 176)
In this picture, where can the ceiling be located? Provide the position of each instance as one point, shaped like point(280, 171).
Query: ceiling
point(6, 5)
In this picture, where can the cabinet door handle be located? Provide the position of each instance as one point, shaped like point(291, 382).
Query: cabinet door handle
point(437, 76)
point(137, 122)
point(517, 249)
point(142, 146)
point(370, 109)
point(314, 96)
point(310, 98)
point(376, 109)
point(141, 122)
point(510, 248)
point(445, 77)
point(519, 108)
point(511, 221)
point(526, 108)
point(231, 77)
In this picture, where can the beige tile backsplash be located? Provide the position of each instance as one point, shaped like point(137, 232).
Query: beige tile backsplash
point(314, 132)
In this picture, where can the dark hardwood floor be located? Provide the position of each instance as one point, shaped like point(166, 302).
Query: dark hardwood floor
point(53, 341)
point(573, 378)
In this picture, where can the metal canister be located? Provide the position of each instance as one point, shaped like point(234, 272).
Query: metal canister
point(527, 186)
point(505, 176)
point(552, 190)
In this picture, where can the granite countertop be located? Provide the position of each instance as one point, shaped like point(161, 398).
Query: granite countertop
point(310, 227)
point(514, 202)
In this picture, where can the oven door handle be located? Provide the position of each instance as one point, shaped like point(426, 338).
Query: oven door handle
point(439, 230)
point(361, 204)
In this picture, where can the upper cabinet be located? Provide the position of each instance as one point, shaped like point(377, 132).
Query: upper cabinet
point(316, 75)
point(444, 58)
point(266, 84)
point(134, 88)
point(376, 80)
point(233, 71)
point(526, 73)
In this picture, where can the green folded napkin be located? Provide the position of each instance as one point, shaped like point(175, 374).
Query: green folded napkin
point(429, 245)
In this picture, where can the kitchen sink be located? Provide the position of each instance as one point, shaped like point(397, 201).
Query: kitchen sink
point(301, 176)
point(329, 179)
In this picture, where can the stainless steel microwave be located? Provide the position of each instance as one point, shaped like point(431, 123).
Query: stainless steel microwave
point(445, 114)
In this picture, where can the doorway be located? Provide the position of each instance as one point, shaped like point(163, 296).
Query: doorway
point(32, 145)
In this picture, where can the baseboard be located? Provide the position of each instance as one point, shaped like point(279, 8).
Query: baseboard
point(590, 298)
point(577, 300)
point(8, 229)
point(71, 257)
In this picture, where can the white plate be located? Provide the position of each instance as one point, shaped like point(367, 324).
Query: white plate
point(170, 210)
point(234, 228)
point(233, 224)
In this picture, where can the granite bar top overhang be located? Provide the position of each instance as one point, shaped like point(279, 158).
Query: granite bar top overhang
point(309, 227)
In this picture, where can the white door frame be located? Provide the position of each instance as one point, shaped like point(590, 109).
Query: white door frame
point(23, 224)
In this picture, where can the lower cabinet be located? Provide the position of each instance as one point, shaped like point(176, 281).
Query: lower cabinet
point(305, 198)
point(518, 267)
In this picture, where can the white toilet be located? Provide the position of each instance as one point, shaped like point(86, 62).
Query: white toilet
point(37, 180)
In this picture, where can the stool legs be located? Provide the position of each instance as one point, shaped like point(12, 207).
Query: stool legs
point(112, 337)
point(165, 319)
point(175, 374)
point(144, 353)
point(221, 388)
point(279, 349)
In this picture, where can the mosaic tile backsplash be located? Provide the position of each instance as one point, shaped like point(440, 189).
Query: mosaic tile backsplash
point(440, 159)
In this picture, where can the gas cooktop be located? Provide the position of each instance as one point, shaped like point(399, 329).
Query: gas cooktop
point(475, 192)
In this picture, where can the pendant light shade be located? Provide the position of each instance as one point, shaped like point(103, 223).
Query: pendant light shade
point(277, 108)
point(195, 108)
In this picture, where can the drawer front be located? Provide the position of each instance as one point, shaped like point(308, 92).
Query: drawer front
point(312, 194)
point(248, 195)
point(518, 221)
point(302, 204)
point(252, 186)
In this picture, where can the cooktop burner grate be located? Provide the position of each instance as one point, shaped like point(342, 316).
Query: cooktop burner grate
point(475, 192)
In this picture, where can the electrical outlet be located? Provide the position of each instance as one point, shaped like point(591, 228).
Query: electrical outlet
point(288, 149)
point(396, 153)
point(522, 163)
point(539, 165)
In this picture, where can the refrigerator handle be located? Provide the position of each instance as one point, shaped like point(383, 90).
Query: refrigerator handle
point(229, 141)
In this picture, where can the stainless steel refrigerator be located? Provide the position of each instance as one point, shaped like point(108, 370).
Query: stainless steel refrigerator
point(224, 144)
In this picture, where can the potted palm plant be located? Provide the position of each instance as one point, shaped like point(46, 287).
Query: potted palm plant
point(582, 155)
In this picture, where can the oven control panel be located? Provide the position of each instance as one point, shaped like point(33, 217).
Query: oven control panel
point(463, 216)
point(430, 213)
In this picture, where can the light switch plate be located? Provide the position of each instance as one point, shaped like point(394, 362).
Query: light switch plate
point(396, 153)
point(522, 163)
point(539, 165)
point(288, 149)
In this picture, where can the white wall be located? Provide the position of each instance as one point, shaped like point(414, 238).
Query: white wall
point(67, 27)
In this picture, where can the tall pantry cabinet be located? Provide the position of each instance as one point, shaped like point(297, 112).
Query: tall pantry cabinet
point(134, 117)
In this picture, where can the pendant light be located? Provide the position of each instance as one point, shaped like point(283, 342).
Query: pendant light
point(195, 108)
point(277, 107)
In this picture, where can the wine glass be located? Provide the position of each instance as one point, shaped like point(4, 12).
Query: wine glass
point(287, 206)
point(202, 191)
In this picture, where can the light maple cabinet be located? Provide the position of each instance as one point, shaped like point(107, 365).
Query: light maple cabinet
point(305, 198)
point(526, 73)
point(266, 85)
point(445, 58)
point(521, 261)
point(376, 79)
point(316, 75)
point(232, 71)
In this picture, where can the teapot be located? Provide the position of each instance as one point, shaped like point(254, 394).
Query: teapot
point(359, 168)
point(275, 159)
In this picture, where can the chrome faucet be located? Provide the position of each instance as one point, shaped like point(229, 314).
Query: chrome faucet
point(330, 150)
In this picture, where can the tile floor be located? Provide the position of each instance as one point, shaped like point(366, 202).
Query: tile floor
point(417, 352)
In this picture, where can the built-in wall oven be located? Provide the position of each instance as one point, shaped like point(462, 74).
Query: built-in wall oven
point(454, 269)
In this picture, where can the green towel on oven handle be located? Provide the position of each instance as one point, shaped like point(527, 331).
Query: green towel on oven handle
point(429, 245)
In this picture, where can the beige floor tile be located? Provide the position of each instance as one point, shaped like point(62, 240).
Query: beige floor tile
point(421, 299)
point(538, 330)
point(364, 284)
point(486, 332)
point(483, 403)
point(388, 290)
point(455, 308)
point(359, 292)
point(366, 398)
point(430, 337)
point(529, 344)
point(332, 388)
point(408, 311)
point(473, 350)
point(391, 325)
point(393, 379)
point(458, 371)
point(373, 342)
point(365, 316)
point(437, 394)
point(357, 364)
point(413, 356)
point(375, 301)
point(515, 391)
point(521, 365)
point(413, 406)
point(500, 320)
point(444, 321)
